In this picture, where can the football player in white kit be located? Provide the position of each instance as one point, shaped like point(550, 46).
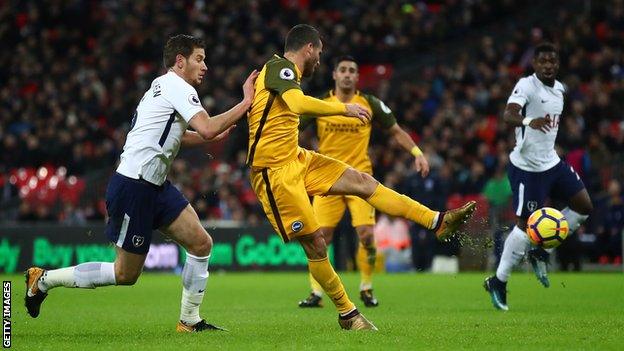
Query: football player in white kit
point(139, 198)
point(535, 170)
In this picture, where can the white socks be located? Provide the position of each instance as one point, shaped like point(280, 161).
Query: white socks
point(194, 279)
point(516, 246)
point(574, 218)
point(85, 275)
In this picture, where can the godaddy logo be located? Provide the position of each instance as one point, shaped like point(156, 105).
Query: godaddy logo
point(272, 253)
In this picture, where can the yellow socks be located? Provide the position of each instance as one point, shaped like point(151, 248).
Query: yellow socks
point(366, 268)
point(316, 287)
point(324, 273)
point(389, 201)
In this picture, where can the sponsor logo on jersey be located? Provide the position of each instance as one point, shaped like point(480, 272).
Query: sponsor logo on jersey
point(297, 226)
point(287, 74)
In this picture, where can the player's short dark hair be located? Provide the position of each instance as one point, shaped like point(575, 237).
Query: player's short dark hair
point(544, 47)
point(301, 35)
point(182, 44)
point(342, 58)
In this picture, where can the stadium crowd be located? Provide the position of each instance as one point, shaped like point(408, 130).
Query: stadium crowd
point(78, 69)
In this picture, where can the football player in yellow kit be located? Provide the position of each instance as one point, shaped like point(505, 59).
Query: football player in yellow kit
point(345, 139)
point(284, 175)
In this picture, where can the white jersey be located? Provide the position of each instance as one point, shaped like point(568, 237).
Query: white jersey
point(159, 122)
point(535, 150)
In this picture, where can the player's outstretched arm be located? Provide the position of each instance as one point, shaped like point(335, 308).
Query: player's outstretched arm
point(212, 128)
point(406, 142)
point(513, 117)
point(300, 103)
point(191, 138)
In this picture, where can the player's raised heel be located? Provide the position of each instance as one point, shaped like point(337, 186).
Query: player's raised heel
point(497, 291)
point(539, 258)
point(355, 321)
point(311, 301)
point(198, 327)
point(33, 297)
point(451, 220)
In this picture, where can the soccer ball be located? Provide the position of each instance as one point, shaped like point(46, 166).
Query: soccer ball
point(547, 227)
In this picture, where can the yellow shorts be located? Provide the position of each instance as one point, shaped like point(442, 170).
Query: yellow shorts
point(285, 191)
point(330, 209)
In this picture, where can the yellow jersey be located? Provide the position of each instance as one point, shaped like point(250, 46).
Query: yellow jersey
point(345, 138)
point(273, 127)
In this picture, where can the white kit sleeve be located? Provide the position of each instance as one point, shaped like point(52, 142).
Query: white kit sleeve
point(520, 93)
point(184, 99)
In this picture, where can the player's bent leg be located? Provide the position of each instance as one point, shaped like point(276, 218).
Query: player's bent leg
point(88, 275)
point(580, 208)
point(128, 266)
point(315, 298)
point(445, 224)
point(318, 264)
point(353, 182)
point(539, 259)
point(515, 247)
point(187, 231)
point(365, 257)
point(514, 250)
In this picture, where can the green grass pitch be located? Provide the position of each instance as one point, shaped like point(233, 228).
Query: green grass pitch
point(417, 311)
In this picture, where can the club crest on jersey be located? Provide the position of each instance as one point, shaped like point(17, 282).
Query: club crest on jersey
point(297, 226)
point(193, 100)
point(137, 240)
point(287, 74)
point(532, 205)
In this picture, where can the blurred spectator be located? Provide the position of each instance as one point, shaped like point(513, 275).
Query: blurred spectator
point(610, 240)
point(392, 237)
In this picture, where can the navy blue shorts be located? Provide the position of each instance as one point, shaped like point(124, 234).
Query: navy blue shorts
point(530, 189)
point(135, 208)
